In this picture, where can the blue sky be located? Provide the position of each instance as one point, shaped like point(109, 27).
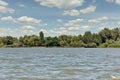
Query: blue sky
point(57, 17)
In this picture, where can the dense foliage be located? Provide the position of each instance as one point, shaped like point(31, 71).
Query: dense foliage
point(104, 38)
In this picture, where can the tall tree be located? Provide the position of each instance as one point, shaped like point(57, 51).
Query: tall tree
point(41, 38)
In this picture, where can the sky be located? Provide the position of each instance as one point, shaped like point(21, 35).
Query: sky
point(57, 17)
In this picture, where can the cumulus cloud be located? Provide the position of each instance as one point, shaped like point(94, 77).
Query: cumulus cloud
point(73, 22)
point(62, 4)
point(4, 8)
point(78, 27)
point(76, 20)
point(4, 30)
point(118, 22)
point(68, 4)
point(12, 32)
point(28, 20)
point(97, 20)
point(69, 30)
point(3, 3)
point(59, 20)
point(71, 12)
point(75, 25)
point(21, 5)
point(114, 1)
point(111, 1)
point(117, 2)
point(75, 12)
point(88, 9)
point(59, 31)
point(94, 1)
point(23, 20)
point(16, 32)
point(8, 18)
point(28, 27)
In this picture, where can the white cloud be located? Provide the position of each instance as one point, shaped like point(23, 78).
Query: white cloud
point(8, 18)
point(94, 1)
point(16, 32)
point(3, 3)
point(93, 21)
point(111, 1)
point(88, 9)
point(5, 31)
point(75, 12)
point(21, 5)
point(118, 23)
point(59, 31)
point(97, 20)
point(79, 27)
point(64, 4)
point(71, 12)
point(114, 1)
point(4, 8)
point(73, 28)
point(117, 2)
point(76, 20)
point(103, 18)
point(62, 28)
point(59, 20)
point(28, 20)
point(75, 25)
point(68, 4)
point(8, 32)
point(23, 20)
point(28, 27)
point(73, 22)
point(69, 30)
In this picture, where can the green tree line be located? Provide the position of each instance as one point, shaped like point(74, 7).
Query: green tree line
point(104, 38)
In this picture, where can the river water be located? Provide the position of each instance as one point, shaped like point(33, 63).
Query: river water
point(59, 63)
